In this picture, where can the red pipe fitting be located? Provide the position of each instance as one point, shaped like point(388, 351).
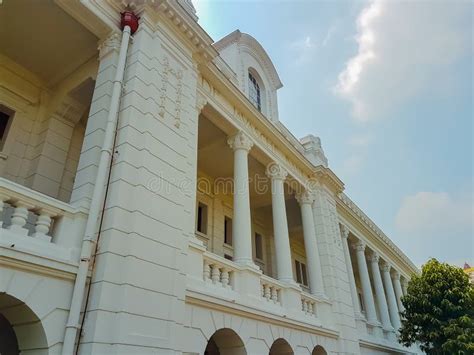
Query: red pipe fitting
point(129, 19)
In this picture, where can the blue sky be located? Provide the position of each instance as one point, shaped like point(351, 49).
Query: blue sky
point(387, 85)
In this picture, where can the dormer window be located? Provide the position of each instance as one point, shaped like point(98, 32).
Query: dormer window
point(254, 92)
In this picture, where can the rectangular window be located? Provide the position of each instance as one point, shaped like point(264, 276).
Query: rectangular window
point(301, 276)
point(228, 257)
point(228, 230)
point(202, 218)
point(5, 118)
point(258, 246)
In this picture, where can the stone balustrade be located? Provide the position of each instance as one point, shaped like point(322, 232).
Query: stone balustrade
point(308, 304)
point(38, 224)
point(271, 290)
point(218, 271)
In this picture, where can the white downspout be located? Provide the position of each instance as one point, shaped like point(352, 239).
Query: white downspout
point(97, 202)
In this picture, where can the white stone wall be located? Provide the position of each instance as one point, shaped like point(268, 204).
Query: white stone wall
point(43, 139)
point(257, 335)
point(138, 288)
point(36, 304)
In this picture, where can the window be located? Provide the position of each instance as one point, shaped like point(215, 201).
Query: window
point(5, 118)
point(202, 218)
point(301, 276)
point(228, 257)
point(254, 92)
point(228, 230)
point(258, 246)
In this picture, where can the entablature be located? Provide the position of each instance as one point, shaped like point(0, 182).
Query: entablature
point(364, 228)
point(216, 89)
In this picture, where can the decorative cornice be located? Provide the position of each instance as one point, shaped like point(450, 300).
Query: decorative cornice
point(327, 177)
point(276, 172)
point(152, 11)
point(240, 141)
point(369, 224)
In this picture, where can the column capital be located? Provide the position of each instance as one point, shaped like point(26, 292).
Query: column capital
point(385, 266)
point(240, 140)
point(201, 101)
point(109, 44)
point(276, 171)
point(359, 246)
point(374, 257)
point(305, 197)
point(344, 231)
point(395, 275)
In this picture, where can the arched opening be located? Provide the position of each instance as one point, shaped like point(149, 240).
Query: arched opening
point(225, 342)
point(319, 350)
point(281, 347)
point(8, 340)
point(20, 328)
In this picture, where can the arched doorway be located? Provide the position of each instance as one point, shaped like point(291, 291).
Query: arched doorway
point(20, 328)
point(225, 342)
point(319, 350)
point(281, 347)
point(8, 340)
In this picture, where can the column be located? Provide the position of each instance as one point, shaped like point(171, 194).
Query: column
point(398, 290)
point(350, 272)
point(379, 292)
point(366, 286)
point(404, 286)
point(313, 260)
point(278, 174)
point(241, 224)
point(392, 302)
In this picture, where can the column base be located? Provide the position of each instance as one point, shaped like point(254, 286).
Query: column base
point(374, 323)
point(248, 263)
point(321, 296)
point(290, 282)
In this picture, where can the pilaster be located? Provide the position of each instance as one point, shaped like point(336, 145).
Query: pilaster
point(137, 298)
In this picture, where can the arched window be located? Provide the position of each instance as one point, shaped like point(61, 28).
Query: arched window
point(254, 92)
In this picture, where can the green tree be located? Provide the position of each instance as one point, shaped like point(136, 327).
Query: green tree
point(439, 310)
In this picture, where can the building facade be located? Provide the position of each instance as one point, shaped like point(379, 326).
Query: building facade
point(152, 201)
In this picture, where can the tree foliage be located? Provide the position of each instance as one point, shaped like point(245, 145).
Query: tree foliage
point(439, 310)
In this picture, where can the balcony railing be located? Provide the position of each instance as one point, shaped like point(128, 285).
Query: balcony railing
point(38, 224)
point(218, 271)
point(271, 290)
point(308, 304)
point(245, 285)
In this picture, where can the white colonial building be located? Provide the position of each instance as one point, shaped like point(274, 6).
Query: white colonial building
point(152, 202)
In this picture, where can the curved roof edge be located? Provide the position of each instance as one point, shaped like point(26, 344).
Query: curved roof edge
point(256, 47)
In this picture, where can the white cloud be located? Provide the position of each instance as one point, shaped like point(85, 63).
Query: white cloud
point(304, 49)
point(435, 213)
point(403, 48)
